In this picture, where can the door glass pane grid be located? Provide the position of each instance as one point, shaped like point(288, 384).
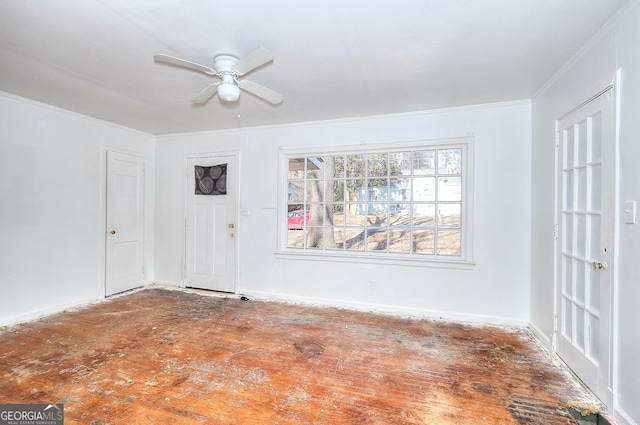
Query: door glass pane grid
point(593, 346)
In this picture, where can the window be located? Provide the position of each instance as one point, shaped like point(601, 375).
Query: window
point(410, 201)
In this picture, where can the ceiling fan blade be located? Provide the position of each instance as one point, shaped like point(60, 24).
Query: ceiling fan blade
point(253, 60)
point(184, 63)
point(205, 94)
point(261, 91)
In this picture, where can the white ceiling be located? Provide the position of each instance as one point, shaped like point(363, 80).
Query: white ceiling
point(333, 58)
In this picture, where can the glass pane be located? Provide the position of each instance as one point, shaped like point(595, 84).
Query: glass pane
point(315, 167)
point(449, 242)
point(567, 288)
point(596, 137)
point(424, 189)
point(582, 142)
point(338, 238)
point(337, 163)
point(338, 190)
point(355, 166)
point(400, 214)
point(295, 192)
point(580, 282)
point(593, 298)
point(596, 183)
point(354, 190)
point(449, 189)
point(449, 215)
point(568, 233)
point(579, 336)
point(377, 189)
point(295, 239)
point(424, 162)
point(399, 189)
point(316, 190)
point(449, 161)
point(400, 163)
point(296, 168)
point(377, 164)
point(314, 238)
point(568, 148)
point(423, 242)
point(567, 313)
point(594, 252)
point(582, 189)
point(377, 215)
point(568, 189)
point(338, 215)
point(354, 239)
point(581, 230)
point(594, 338)
point(297, 219)
point(376, 239)
point(400, 241)
point(424, 215)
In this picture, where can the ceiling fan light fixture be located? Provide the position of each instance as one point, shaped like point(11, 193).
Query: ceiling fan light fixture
point(228, 92)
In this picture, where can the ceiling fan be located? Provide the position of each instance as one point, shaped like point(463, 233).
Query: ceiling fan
point(228, 68)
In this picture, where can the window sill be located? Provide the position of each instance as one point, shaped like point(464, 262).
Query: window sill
point(390, 259)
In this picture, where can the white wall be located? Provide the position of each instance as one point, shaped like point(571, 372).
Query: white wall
point(497, 290)
point(52, 206)
point(615, 47)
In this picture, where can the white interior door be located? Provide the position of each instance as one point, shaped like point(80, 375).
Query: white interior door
point(210, 223)
point(586, 226)
point(125, 222)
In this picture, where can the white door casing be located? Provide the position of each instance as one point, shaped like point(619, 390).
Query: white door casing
point(124, 268)
point(584, 261)
point(210, 233)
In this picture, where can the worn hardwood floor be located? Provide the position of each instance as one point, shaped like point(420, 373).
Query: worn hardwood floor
point(161, 356)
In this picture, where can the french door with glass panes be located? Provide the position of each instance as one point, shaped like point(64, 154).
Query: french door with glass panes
point(586, 229)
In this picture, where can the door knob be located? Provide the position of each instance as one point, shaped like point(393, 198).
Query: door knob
point(231, 226)
point(113, 232)
point(599, 265)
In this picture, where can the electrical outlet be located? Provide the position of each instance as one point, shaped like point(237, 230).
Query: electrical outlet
point(373, 285)
point(629, 212)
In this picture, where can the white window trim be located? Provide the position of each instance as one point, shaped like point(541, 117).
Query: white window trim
point(466, 260)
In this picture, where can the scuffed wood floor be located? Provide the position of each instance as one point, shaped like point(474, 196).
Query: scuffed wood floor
point(161, 356)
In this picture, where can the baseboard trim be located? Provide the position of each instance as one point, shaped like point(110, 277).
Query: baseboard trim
point(387, 309)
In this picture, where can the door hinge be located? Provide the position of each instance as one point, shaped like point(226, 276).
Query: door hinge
point(557, 141)
point(555, 232)
point(555, 323)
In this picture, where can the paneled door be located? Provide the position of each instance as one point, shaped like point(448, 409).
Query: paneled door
point(211, 193)
point(586, 228)
point(125, 223)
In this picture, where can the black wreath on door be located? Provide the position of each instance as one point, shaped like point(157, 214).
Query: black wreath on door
point(211, 180)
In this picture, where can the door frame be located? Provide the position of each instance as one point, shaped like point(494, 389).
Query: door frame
point(148, 208)
point(609, 368)
point(186, 188)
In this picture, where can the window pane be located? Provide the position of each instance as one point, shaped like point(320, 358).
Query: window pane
point(314, 238)
point(400, 214)
point(295, 239)
point(296, 192)
point(449, 242)
point(315, 167)
point(400, 241)
point(424, 189)
point(400, 189)
point(338, 191)
point(335, 166)
point(449, 161)
point(355, 166)
point(296, 168)
point(377, 215)
point(354, 215)
point(449, 189)
point(424, 162)
point(377, 189)
point(423, 242)
point(355, 239)
point(377, 239)
point(424, 215)
point(400, 163)
point(377, 165)
point(338, 238)
point(449, 215)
